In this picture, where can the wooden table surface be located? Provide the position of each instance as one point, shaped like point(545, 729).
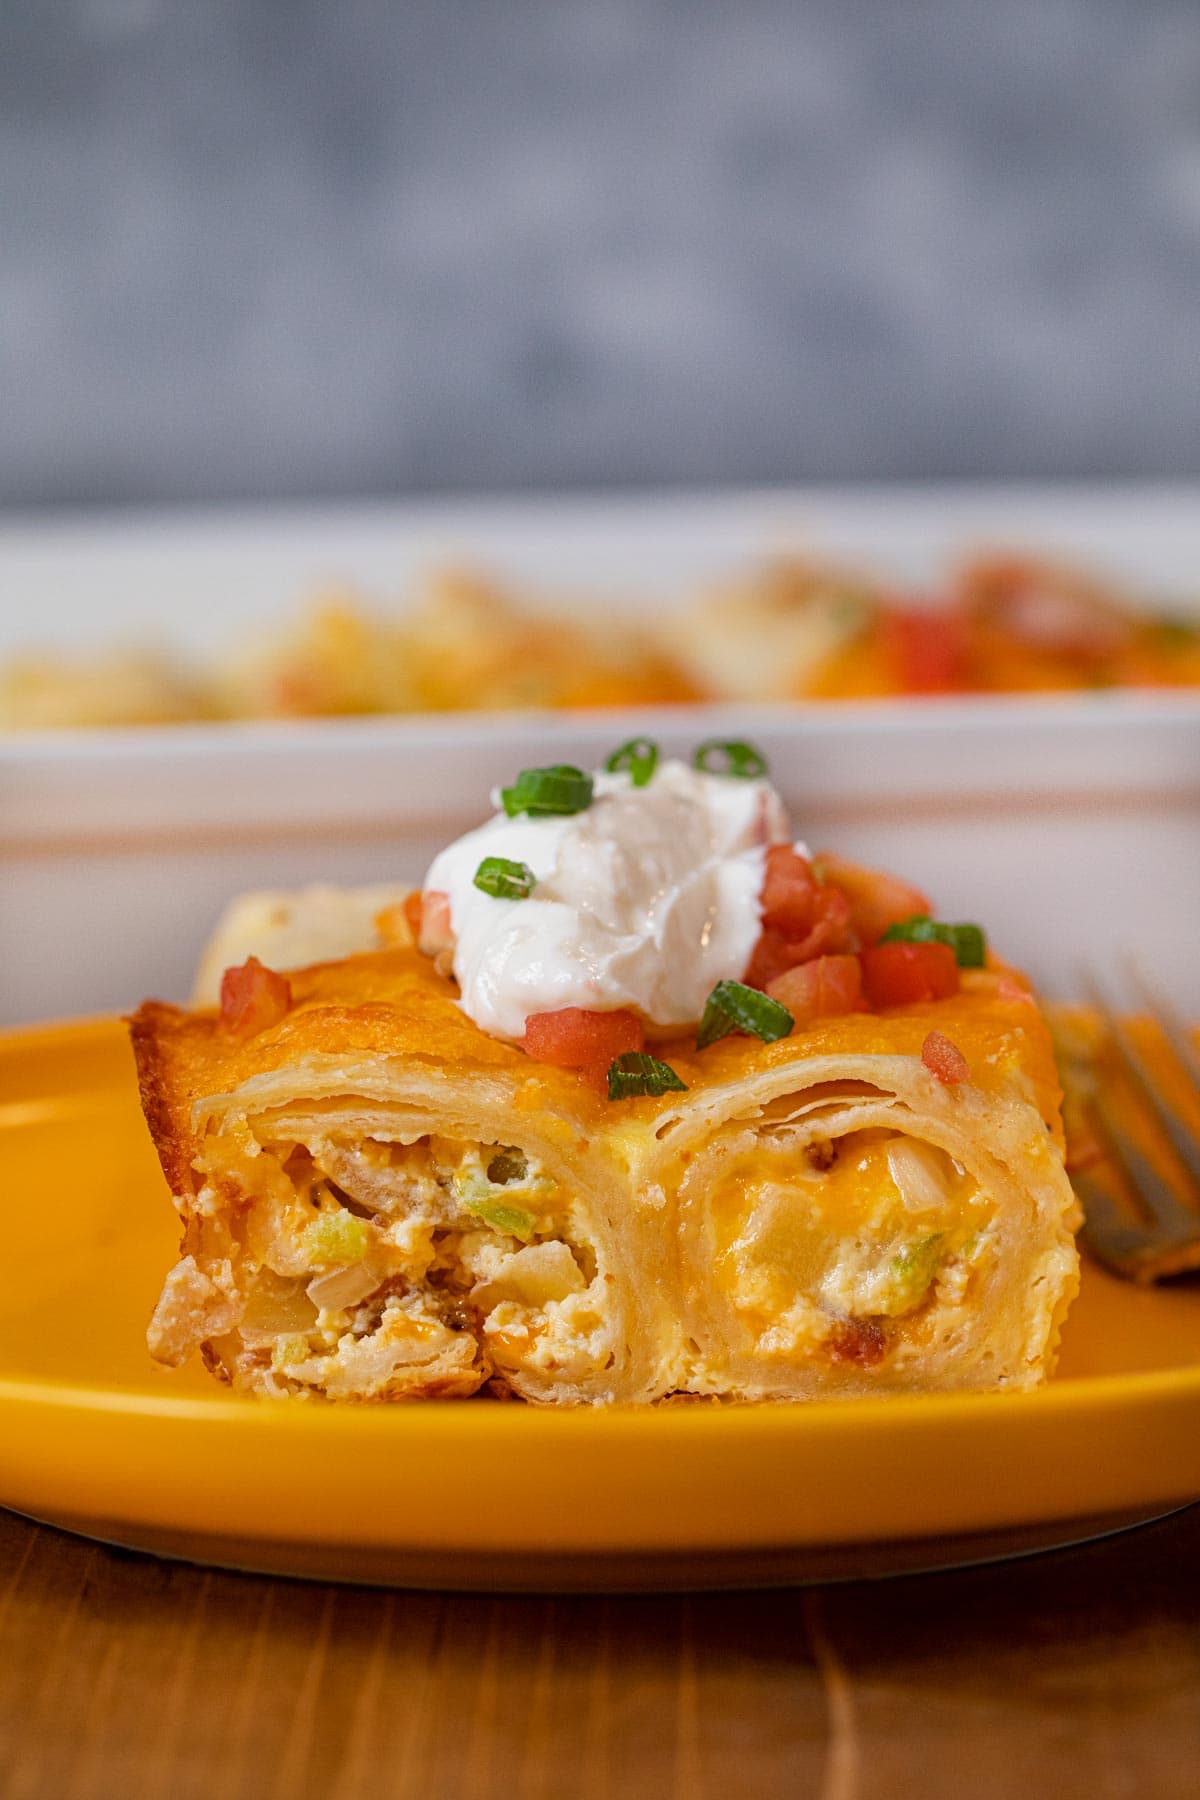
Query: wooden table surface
point(1075, 1673)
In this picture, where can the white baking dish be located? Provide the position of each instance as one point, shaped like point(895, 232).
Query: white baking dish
point(1069, 826)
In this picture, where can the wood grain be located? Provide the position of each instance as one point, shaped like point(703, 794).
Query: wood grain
point(1072, 1674)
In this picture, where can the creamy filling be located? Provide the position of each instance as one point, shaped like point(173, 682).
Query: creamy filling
point(644, 900)
point(844, 1248)
point(361, 1263)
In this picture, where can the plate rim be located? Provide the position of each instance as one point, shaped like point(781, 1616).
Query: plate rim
point(948, 1462)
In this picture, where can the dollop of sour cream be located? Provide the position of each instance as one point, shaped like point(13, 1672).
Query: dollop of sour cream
point(644, 900)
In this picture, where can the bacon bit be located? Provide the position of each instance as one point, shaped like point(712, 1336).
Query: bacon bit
point(253, 998)
point(945, 1060)
point(858, 1341)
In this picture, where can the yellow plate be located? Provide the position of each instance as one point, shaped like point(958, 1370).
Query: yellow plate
point(93, 1436)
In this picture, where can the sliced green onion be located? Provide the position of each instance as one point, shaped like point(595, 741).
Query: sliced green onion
point(732, 757)
point(733, 1007)
point(970, 946)
point(914, 1267)
point(639, 756)
point(505, 880)
point(967, 941)
point(636, 1073)
point(560, 789)
point(511, 1219)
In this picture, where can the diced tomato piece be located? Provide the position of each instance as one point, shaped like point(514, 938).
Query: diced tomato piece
point(253, 998)
point(927, 649)
point(876, 898)
point(574, 1038)
point(945, 1060)
point(821, 989)
point(413, 907)
point(772, 954)
point(801, 918)
point(829, 931)
point(832, 928)
point(798, 907)
point(435, 932)
point(789, 892)
point(899, 974)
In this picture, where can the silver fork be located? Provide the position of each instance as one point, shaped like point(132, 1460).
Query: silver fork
point(1167, 1241)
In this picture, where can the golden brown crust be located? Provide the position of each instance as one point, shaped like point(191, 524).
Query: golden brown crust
point(151, 1031)
point(393, 1003)
point(386, 1003)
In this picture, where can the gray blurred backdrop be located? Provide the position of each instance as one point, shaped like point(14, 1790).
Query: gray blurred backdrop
point(264, 247)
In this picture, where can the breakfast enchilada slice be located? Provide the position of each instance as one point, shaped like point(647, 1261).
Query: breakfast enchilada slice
point(875, 1203)
point(381, 1202)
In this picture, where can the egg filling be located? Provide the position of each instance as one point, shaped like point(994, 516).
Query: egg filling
point(360, 1262)
point(847, 1252)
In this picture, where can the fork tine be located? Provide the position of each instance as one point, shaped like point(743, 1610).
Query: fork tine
point(1166, 1016)
point(1168, 1214)
point(1134, 1064)
point(1109, 1236)
point(1169, 1244)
